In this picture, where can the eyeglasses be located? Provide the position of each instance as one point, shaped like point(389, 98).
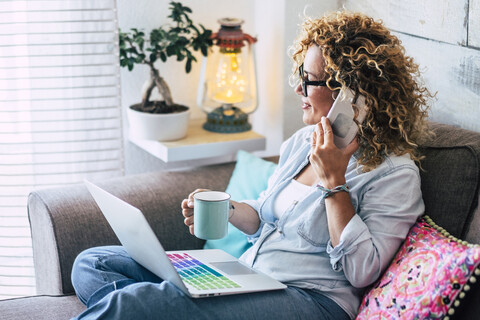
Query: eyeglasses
point(306, 83)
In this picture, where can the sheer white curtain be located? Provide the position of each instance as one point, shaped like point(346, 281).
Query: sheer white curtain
point(60, 116)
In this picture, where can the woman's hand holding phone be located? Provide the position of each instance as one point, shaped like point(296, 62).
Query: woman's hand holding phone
point(329, 162)
point(341, 116)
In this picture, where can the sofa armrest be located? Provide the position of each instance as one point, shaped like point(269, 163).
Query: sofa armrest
point(66, 221)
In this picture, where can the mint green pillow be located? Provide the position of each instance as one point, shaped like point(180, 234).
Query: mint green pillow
point(248, 180)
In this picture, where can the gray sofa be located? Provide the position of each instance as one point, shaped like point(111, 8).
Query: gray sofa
point(66, 221)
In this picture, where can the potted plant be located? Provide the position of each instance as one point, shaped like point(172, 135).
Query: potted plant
point(162, 120)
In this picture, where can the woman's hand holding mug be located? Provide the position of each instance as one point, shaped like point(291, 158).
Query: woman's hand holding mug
point(206, 213)
point(187, 209)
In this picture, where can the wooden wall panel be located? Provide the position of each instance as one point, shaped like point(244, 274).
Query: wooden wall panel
point(454, 73)
point(442, 20)
point(474, 24)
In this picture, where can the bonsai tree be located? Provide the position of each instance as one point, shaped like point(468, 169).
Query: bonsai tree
point(178, 39)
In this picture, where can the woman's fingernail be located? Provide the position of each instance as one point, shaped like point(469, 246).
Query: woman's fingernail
point(190, 203)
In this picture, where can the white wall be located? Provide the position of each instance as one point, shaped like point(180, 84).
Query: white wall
point(297, 10)
point(265, 19)
point(148, 14)
point(270, 30)
point(443, 36)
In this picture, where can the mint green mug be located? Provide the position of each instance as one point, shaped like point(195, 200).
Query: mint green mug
point(210, 214)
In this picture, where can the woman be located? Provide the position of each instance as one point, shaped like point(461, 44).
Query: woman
point(331, 219)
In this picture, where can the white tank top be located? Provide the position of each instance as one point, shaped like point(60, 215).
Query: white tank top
point(293, 192)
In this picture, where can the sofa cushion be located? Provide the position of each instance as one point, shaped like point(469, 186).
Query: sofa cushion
point(248, 180)
point(450, 178)
point(428, 278)
point(41, 308)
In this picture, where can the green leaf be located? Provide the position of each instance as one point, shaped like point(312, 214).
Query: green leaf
point(176, 31)
point(171, 50)
point(180, 39)
point(163, 56)
point(204, 50)
point(156, 36)
point(139, 58)
point(153, 57)
point(130, 64)
point(195, 29)
point(140, 42)
point(207, 34)
point(137, 33)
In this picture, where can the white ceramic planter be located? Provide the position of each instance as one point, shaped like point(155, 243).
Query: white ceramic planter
point(162, 127)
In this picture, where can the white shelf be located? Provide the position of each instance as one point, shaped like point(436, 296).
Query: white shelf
point(200, 143)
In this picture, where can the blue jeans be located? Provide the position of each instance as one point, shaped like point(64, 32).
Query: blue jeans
point(113, 286)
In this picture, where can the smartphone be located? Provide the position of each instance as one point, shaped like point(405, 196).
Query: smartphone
point(341, 117)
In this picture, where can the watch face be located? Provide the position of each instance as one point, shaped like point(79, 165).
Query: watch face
point(341, 125)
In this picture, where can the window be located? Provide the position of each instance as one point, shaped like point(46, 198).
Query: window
point(60, 115)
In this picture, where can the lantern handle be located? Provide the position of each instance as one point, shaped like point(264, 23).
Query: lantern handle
point(249, 38)
point(246, 37)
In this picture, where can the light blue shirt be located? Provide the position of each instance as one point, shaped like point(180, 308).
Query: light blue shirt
point(296, 248)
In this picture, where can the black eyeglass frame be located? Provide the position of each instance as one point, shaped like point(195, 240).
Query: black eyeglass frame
point(306, 83)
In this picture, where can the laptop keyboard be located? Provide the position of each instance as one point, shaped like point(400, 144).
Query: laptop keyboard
point(199, 275)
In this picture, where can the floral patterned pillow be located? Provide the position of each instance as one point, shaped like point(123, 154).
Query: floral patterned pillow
point(428, 277)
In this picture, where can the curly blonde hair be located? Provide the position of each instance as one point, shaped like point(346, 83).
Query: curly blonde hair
point(363, 55)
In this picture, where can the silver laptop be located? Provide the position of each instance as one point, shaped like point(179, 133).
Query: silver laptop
point(198, 273)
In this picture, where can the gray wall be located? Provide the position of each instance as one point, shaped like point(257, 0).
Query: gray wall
point(443, 36)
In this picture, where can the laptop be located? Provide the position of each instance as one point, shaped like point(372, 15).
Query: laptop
point(198, 273)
